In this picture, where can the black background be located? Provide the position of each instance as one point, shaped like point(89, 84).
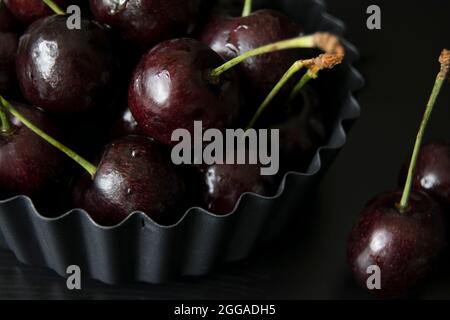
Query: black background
point(399, 64)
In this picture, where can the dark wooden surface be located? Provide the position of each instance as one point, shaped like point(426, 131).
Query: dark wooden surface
point(308, 262)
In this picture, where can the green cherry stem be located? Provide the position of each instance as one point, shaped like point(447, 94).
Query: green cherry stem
point(296, 67)
point(89, 167)
point(56, 9)
point(444, 60)
point(327, 43)
point(324, 41)
point(247, 8)
point(301, 42)
point(308, 76)
point(5, 124)
point(324, 61)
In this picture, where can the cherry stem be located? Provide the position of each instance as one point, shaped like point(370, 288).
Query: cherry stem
point(327, 43)
point(56, 9)
point(314, 65)
point(301, 42)
point(89, 167)
point(247, 8)
point(4, 122)
point(444, 60)
point(324, 41)
point(308, 76)
point(296, 67)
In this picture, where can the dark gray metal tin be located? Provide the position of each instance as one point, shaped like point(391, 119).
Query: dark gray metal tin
point(138, 249)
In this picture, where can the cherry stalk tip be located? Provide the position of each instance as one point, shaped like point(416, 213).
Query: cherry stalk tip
point(444, 60)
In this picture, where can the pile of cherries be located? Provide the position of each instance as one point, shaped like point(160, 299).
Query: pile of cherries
point(116, 88)
point(403, 233)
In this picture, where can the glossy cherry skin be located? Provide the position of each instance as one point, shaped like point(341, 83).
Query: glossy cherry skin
point(170, 89)
point(8, 49)
point(224, 184)
point(28, 164)
point(7, 21)
point(231, 37)
point(402, 245)
point(432, 173)
point(145, 23)
point(134, 174)
point(28, 11)
point(66, 71)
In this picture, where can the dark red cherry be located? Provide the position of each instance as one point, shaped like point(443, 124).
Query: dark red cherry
point(300, 138)
point(145, 23)
point(402, 245)
point(170, 89)
point(223, 185)
point(231, 37)
point(29, 165)
point(63, 70)
point(28, 11)
point(134, 174)
point(432, 173)
point(8, 49)
point(302, 132)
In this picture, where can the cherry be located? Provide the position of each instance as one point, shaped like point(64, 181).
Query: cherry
point(145, 23)
point(401, 233)
point(65, 71)
point(223, 185)
point(134, 174)
point(171, 88)
point(402, 245)
point(433, 171)
point(233, 36)
point(28, 11)
point(8, 48)
point(302, 132)
point(28, 165)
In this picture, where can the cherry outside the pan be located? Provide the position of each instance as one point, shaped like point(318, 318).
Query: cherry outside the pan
point(433, 171)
